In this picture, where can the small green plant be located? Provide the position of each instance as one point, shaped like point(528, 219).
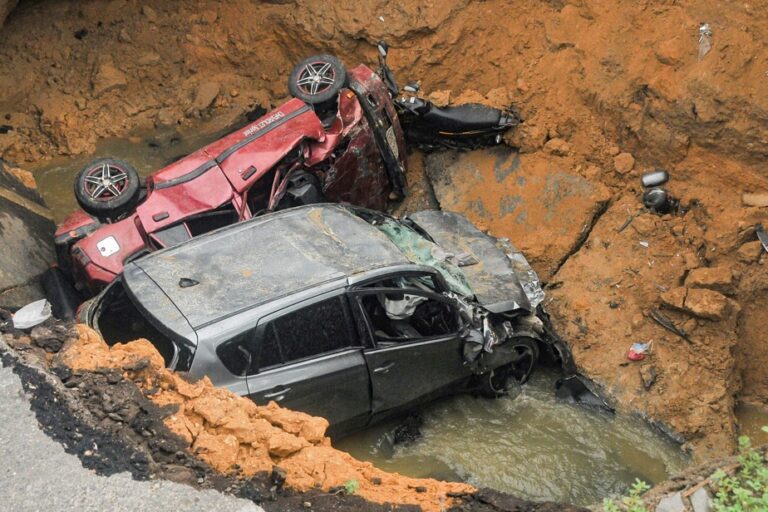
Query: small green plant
point(746, 490)
point(351, 487)
point(630, 503)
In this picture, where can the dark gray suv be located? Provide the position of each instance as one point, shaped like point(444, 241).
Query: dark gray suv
point(340, 312)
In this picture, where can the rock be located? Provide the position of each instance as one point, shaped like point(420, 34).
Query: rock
point(25, 228)
point(123, 36)
point(557, 147)
point(220, 451)
point(670, 51)
point(6, 6)
point(148, 59)
point(623, 163)
point(527, 137)
point(750, 252)
point(205, 94)
point(108, 78)
point(700, 302)
point(165, 117)
point(758, 200)
point(675, 298)
point(149, 13)
point(701, 501)
point(671, 503)
point(708, 304)
point(715, 278)
point(540, 206)
point(209, 16)
point(648, 376)
point(440, 98)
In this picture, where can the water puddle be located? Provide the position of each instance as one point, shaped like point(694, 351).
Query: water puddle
point(533, 446)
point(55, 178)
point(751, 420)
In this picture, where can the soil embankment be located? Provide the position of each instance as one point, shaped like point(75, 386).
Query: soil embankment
point(119, 409)
point(607, 90)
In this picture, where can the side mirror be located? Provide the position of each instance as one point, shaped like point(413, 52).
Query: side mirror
point(383, 48)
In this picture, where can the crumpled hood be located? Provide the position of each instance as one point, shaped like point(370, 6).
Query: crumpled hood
point(501, 278)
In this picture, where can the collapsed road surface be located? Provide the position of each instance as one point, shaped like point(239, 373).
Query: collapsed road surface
point(39, 474)
point(120, 410)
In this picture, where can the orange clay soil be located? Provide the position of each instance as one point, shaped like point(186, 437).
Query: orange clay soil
point(231, 432)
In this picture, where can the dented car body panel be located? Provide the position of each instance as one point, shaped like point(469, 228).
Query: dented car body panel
point(494, 276)
point(320, 309)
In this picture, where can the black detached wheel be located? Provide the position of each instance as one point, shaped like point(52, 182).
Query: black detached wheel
point(497, 382)
point(317, 79)
point(107, 187)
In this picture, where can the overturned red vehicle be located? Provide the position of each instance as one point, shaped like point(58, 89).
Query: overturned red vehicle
point(341, 139)
point(341, 142)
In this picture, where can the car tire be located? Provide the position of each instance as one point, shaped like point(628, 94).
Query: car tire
point(317, 80)
point(497, 382)
point(107, 188)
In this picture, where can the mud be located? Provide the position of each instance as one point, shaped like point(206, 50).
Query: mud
point(607, 90)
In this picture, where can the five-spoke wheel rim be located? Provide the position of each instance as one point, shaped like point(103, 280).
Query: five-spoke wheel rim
point(316, 77)
point(105, 182)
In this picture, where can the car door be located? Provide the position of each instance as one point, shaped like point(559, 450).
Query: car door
point(308, 357)
point(415, 355)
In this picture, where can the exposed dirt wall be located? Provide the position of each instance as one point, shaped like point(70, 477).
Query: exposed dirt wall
point(608, 89)
point(233, 435)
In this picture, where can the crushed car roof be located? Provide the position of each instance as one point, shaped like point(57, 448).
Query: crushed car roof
point(251, 263)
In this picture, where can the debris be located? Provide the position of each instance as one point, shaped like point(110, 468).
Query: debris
point(648, 376)
point(626, 223)
point(658, 200)
point(671, 503)
point(714, 278)
point(623, 163)
point(705, 40)
point(557, 147)
point(32, 314)
point(762, 236)
point(750, 252)
point(576, 389)
point(205, 94)
point(661, 319)
point(708, 304)
point(655, 178)
point(644, 243)
point(759, 200)
point(701, 501)
point(108, 78)
point(637, 351)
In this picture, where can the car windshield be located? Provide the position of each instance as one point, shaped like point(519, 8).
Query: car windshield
point(423, 252)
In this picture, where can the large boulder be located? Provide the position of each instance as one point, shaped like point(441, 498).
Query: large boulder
point(533, 199)
point(26, 240)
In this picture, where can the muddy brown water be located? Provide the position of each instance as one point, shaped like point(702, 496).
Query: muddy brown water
point(533, 445)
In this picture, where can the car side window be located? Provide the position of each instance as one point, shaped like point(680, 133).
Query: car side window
point(403, 315)
point(316, 329)
point(235, 356)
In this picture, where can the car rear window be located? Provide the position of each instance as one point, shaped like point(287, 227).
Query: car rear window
point(316, 329)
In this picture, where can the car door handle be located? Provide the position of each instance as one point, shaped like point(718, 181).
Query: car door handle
point(385, 368)
point(278, 394)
